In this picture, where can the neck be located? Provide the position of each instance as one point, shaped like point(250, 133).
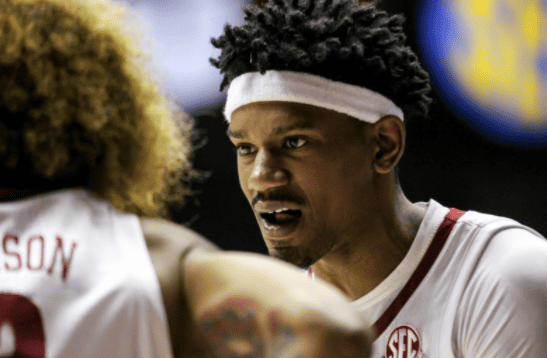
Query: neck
point(365, 259)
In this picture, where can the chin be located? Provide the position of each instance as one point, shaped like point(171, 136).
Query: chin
point(292, 255)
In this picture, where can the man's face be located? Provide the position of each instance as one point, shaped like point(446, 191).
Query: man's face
point(306, 172)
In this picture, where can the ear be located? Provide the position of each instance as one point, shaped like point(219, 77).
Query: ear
point(389, 135)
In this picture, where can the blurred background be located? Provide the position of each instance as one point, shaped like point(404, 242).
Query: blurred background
point(483, 147)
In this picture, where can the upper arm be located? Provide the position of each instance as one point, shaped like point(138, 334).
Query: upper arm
point(169, 246)
point(270, 306)
point(503, 312)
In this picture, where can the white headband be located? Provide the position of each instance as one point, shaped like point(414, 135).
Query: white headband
point(286, 86)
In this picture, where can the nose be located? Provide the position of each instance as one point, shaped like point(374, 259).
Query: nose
point(267, 173)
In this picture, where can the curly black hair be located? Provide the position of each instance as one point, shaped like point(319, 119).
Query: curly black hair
point(336, 39)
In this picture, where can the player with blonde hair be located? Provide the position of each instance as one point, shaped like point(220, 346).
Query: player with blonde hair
point(92, 153)
point(86, 77)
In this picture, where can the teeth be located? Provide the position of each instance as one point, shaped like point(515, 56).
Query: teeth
point(281, 210)
point(276, 211)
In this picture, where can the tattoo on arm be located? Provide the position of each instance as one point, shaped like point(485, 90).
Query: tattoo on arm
point(233, 335)
point(282, 345)
point(285, 338)
point(233, 331)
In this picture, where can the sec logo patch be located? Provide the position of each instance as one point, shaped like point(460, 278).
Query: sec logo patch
point(404, 342)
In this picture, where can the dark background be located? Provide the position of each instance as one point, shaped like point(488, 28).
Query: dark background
point(445, 159)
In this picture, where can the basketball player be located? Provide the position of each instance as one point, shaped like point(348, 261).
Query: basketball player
point(91, 154)
point(320, 92)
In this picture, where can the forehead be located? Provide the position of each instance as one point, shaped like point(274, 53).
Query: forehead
point(276, 118)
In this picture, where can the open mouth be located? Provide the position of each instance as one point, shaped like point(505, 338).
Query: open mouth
point(281, 217)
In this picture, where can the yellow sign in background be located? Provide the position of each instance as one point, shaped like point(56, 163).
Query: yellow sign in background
point(504, 64)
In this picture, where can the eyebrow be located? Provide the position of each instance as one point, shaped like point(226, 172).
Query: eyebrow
point(276, 131)
point(236, 134)
point(290, 127)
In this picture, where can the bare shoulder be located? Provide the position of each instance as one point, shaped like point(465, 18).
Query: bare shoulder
point(164, 234)
point(169, 244)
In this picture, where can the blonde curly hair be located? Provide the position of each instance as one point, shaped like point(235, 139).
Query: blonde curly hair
point(79, 105)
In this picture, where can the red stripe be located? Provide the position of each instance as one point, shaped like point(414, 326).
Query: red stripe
point(417, 277)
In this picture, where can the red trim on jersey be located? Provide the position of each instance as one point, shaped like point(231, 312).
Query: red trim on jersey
point(421, 271)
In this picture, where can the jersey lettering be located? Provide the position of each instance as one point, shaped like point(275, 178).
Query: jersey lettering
point(21, 328)
point(393, 339)
point(35, 254)
point(402, 347)
point(10, 253)
point(410, 343)
point(41, 243)
point(7, 340)
point(404, 342)
point(66, 263)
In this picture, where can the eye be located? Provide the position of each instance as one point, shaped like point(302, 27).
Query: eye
point(244, 149)
point(295, 142)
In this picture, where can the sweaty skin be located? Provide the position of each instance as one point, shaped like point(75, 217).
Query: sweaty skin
point(356, 225)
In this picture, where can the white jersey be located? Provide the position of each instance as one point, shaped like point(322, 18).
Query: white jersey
point(472, 285)
point(76, 280)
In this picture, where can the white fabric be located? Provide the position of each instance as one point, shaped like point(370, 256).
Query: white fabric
point(109, 303)
point(485, 296)
point(287, 86)
point(374, 304)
